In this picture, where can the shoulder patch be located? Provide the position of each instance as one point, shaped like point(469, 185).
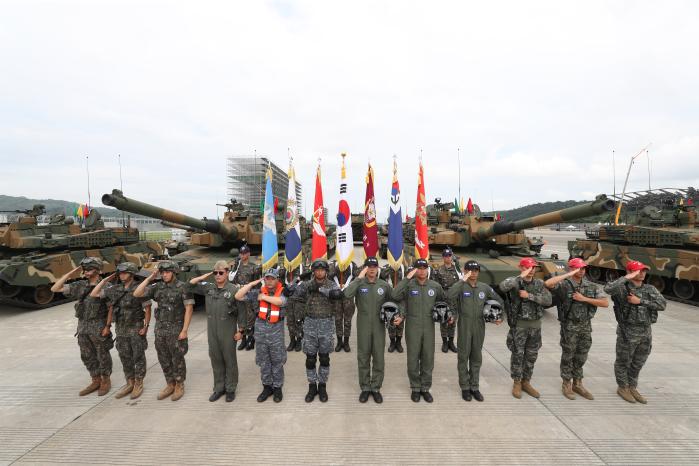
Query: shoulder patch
point(430, 292)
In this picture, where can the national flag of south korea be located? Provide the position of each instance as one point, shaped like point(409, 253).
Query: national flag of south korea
point(344, 248)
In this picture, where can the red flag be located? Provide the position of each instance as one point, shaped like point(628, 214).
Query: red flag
point(469, 206)
point(370, 238)
point(319, 243)
point(422, 250)
point(276, 205)
point(498, 217)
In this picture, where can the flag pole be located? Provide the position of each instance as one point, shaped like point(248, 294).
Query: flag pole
point(121, 187)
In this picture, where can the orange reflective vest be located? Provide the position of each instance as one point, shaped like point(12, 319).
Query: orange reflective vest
point(265, 307)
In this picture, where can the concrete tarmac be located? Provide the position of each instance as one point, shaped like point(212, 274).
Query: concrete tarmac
point(44, 421)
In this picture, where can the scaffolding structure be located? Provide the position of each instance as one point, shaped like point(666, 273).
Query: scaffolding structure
point(246, 182)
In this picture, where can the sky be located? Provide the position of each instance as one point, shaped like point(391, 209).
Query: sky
point(536, 99)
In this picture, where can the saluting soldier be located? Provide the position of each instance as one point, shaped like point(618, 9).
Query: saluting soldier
point(244, 272)
point(447, 274)
point(344, 308)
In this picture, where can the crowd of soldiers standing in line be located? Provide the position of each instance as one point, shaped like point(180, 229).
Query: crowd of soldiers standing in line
point(243, 307)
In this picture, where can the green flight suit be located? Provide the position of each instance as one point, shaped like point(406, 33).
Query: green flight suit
point(371, 332)
point(468, 301)
point(419, 328)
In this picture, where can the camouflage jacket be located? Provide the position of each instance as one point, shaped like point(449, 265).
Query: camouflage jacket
point(171, 299)
point(576, 311)
point(387, 275)
point(316, 296)
point(533, 307)
point(645, 313)
point(91, 312)
point(126, 308)
point(349, 275)
point(447, 276)
point(245, 273)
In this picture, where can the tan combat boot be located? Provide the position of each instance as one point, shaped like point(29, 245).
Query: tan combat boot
point(167, 391)
point(105, 385)
point(637, 396)
point(94, 385)
point(625, 394)
point(529, 390)
point(517, 389)
point(125, 390)
point(580, 390)
point(137, 389)
point(179, 391)
point(567, 389)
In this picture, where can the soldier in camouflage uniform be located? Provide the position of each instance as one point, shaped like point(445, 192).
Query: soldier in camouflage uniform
point(318, 325)
point(528, 297)
point(578, 300)
point(243, 272)
point(94, 335)
point(344, 308)
point(270, 353)
point(636, 306)
point(446, 275)
point(224, 326)
point(294, 310)
point(132, 317)
point(175, 304)
point(395, 332)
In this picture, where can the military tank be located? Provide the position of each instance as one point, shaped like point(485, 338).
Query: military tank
point(658, 228)
point(212, 240)
point(497, 245)
point(33, 256)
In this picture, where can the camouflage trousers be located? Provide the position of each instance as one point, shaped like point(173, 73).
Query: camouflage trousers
point(576, 340)
point(132, 350)
point(344, 310)
point(294, 319)
point(270, 352)
point(94, 352)
point(396, 331)
point(446, 330)
point(250, 314)
point(318, 342)
point(633, 345)
point(171, 353)
point(524, 343)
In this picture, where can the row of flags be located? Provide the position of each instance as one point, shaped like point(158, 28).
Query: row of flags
point(344, 246)
point(81, 212)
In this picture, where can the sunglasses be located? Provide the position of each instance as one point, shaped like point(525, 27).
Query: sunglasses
point(220, 272)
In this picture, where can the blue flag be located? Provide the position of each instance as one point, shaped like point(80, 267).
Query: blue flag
point(292, 248)
point(270, 252)
point(395, 225)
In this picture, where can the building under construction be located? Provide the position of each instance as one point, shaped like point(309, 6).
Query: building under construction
point(246, 182)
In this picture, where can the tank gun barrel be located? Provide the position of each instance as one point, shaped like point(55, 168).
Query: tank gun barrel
point(117, 200)
point(599, 205)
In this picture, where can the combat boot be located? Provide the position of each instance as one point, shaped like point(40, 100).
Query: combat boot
point(267, 391)
point(312, 392)
point(298, 344)
point(322, 393)
point(125, 390)
point(179, 391)
point(105, 385)
point(251, 343)
point(625, 393)
point(580, 390)
point(517, 389)
point(392, 346)
point(450, 344)
point(445, 345)
point(567, 388)
point(167, 391)
point(346, 345)
point(94, 385)
point(338, 346)
point(278, 395)
point(137, 389)
point(637, 396)
point(529, 390)
point(399, 347)
point(292, 344)
point(243, 343)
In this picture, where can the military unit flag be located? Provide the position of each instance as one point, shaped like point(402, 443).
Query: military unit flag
point(292, 248)
point(270, 252)
point(422, 250)
point(370, 236)
point(319, 243)
point(395, 224)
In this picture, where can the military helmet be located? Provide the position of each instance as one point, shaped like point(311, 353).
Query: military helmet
point(441, 312)
point(492, 311)
point(91, 263)
point(389, 311)
point(128, 267)
point(320, 264)
point(168, 266)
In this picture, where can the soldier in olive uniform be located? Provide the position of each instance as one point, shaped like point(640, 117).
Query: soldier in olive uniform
point(528, 297)
point(245, 271)
point(578, 300)
point(175, 304)
point(294, 309)
point(395, 332)
point(318, 326)
point(420, 295)
point(370, 292)
point(224, 326)
point(94, 335)
point(447, 274)
point(468, 297)
point(344, 308)
point(636, 307)
point(132, 317)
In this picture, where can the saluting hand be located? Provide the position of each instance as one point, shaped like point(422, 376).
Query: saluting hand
point(362, 272)
point(632, 275)
point(467, 275)
point(411, 273)
point(526, 272)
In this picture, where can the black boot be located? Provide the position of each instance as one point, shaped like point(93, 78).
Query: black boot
point(312, 392)
point(251, 343)
point(278, 395)
point(445, 345)
point(292, 344)
point(243, 343)
point(346, 346)
point(266, 393)
point(452, 348)
point(392, 346)
point(322, 393)
point(399, 347)
point(297, 348)
point(338, 347)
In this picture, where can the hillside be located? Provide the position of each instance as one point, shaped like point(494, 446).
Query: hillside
point(53, 206)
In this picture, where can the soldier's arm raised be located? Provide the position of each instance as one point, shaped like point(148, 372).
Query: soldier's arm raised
point(97, 290)
point(351, 289)
point(617, 288)
point(398, 293)
point(553, 281)
point(242, 293)
point(509, 283)
point(140, 290)
point(58, 286)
